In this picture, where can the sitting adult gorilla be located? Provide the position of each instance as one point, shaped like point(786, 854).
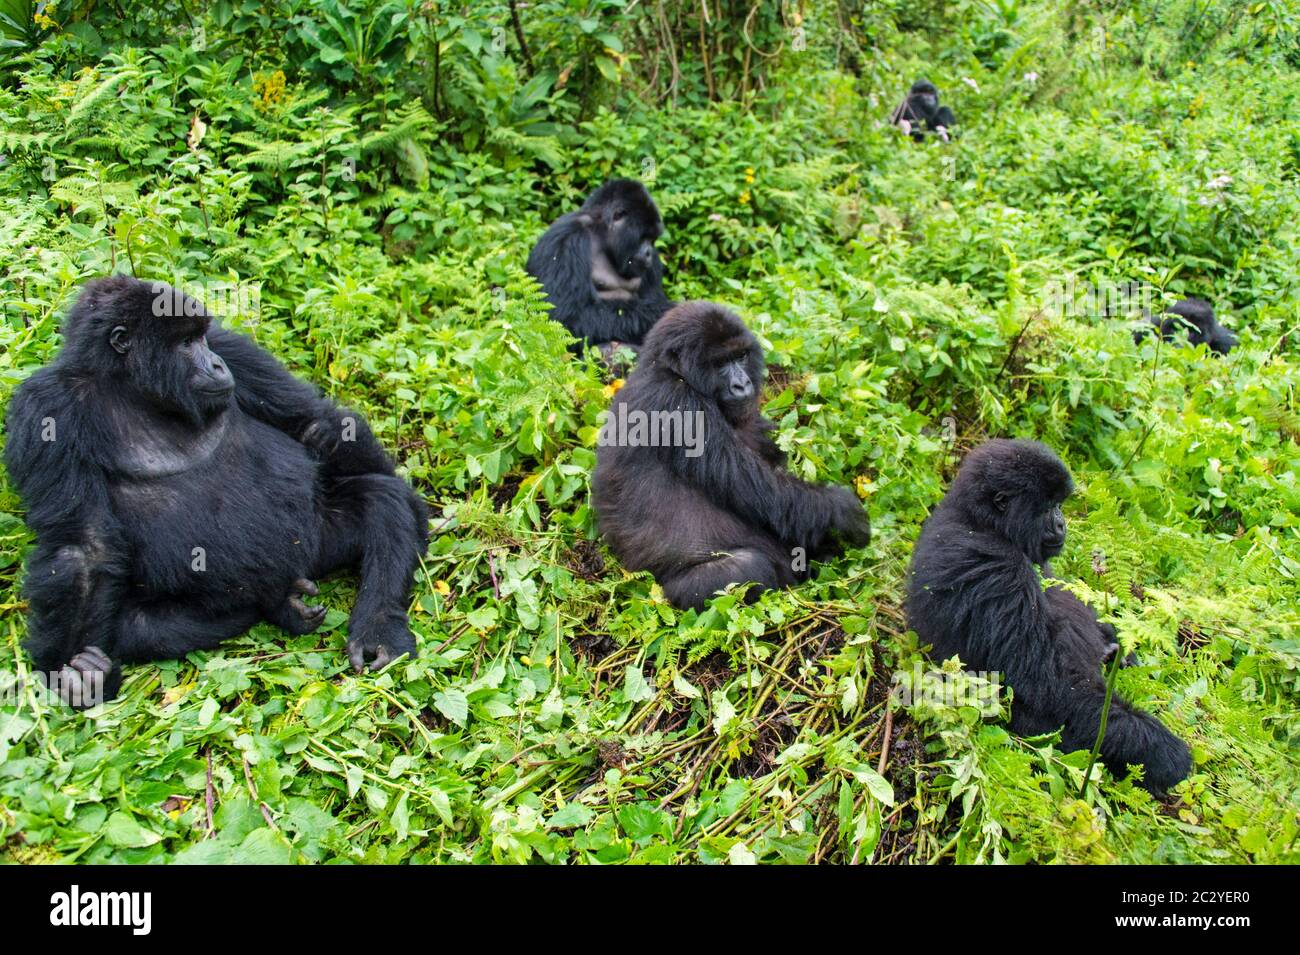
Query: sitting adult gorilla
point(973, 591)
point(183, 486)
point(600, 268)
point(921, 105)
point(700, 496)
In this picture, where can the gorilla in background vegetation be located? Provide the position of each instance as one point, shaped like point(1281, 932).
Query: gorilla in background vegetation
point(700, 496)
point(973, 591)
point(921, 105)
point(183, 485)
point(1197, 317)
point(600, 269)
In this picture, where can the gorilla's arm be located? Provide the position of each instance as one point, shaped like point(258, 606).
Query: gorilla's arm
point(77, 572)
point(740, 479)
point(269, 392)
point(1014, 628)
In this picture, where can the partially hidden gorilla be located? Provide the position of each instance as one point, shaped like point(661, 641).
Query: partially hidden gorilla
point(973, 591)
point(689, 484)
point(600, 268)
point(1196, 316)
point(183, 485)
point(921, 105)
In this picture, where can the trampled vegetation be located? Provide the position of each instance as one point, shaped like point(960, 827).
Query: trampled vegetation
point(358, 185)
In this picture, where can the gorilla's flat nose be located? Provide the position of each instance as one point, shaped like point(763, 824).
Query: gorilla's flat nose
point(741, 389)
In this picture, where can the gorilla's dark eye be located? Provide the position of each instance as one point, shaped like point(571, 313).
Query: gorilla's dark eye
point(620, 215)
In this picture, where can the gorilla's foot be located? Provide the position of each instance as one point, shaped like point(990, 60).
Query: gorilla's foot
point(87, 680)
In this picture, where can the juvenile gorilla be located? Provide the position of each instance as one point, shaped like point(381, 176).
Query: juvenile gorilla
point(183, 486)
point(700, 496)
point(1197, 317)
point(921, 105)
point(600, 269)
point(973, 591)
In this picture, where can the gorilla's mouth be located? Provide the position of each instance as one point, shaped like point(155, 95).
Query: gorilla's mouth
point(1053, 546)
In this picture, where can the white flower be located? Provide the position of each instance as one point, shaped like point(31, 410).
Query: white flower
point(971, 83)
point(1031, 77)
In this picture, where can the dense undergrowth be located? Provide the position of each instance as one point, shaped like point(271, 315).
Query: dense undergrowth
point(371, 178)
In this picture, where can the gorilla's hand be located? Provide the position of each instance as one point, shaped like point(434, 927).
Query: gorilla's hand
point(295, 615)
point(377, 641)
point(1169, 760)
point(851, 522)
point(324, 435)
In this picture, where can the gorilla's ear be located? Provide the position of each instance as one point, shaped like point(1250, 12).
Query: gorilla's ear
point(1000, 501)
point(672, 360)
point(120, 339)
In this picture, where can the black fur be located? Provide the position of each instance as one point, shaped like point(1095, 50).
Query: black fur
point(921, 105)
point(274, 482)
point(731, 513)
point(620, 221)
point(973, 591)
point(1197, 317)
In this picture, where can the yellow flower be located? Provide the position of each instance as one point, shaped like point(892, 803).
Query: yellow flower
point(269, 88)
point(442, 587)
point(744, 198)
point(749, 175)
point(612, 388)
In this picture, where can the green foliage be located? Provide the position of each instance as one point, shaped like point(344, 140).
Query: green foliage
point(377, 172)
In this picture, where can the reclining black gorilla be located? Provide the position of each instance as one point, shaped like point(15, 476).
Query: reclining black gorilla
point(600, 269)
point(921, 105)
point(702, 498)
point(973, 591)
point(183, 485)
point(1197, 317)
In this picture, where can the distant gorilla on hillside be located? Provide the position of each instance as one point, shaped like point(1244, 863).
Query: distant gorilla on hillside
point(183, 485)
point(689, 484)
point(600, 269)
point(973, 592)
point(1197, 317)
point(921, 105)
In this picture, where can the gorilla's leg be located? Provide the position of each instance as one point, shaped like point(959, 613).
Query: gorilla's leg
point(377, 521)
point(169, 629)
point(72, 591)
point(690, 588)
point(156, 630)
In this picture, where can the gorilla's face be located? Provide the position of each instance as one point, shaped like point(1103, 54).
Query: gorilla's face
point(169, 363)
point(1036, 526)
point(630, 236)
point(732, 383)
point(924, 99)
